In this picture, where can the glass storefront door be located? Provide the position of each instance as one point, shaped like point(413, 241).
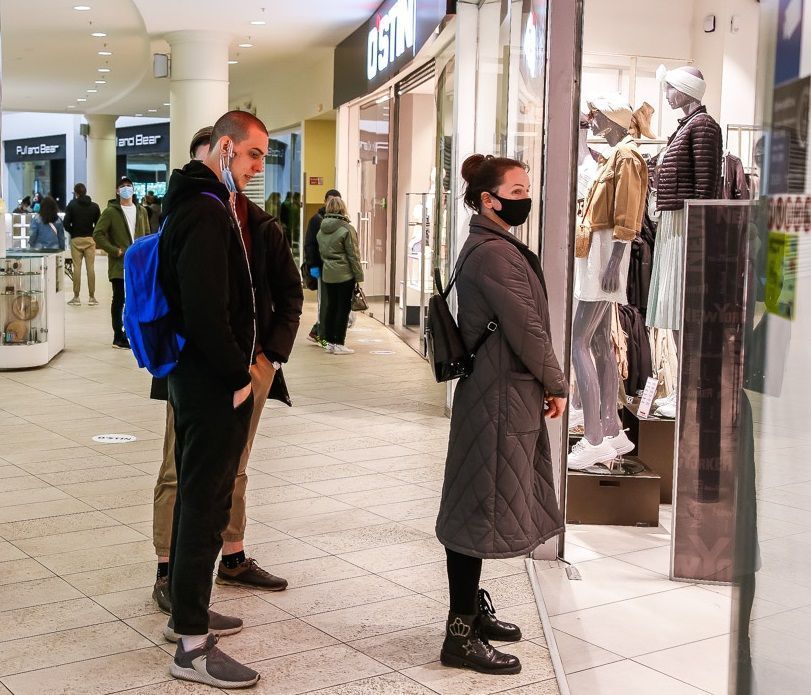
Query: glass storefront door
point(374, 194)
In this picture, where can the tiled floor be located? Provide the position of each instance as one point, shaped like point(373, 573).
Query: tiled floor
point(342, 498)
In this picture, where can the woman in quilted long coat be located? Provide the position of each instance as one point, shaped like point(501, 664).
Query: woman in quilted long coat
point(498, 499)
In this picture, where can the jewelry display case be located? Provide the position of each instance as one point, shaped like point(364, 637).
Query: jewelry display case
point(32, 308)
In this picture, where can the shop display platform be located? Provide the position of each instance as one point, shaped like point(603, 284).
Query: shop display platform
point(655, 441)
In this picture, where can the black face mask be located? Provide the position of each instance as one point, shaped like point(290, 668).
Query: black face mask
point(513, 212)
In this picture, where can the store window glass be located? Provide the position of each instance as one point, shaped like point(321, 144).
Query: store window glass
point(444, 207)
point(521, 89)
point(283, 184)
point(148, 173)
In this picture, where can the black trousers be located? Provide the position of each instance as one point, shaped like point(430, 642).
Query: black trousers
point(117, 308)
point(338, 297)
point(464, 573)
point(210, 437)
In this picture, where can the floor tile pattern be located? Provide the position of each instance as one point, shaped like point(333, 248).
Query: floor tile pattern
point(342, 499)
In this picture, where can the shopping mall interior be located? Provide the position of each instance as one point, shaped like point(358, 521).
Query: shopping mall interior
point(680, 564)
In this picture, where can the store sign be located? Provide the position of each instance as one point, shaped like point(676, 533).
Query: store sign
point(385, 44)
point(390, 36)
point(35, 149)
point(143, 139)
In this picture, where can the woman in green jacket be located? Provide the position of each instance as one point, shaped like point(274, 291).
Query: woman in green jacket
point(338, 246)
point(122, 221)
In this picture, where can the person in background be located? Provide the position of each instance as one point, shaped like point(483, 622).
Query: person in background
point(278, 300)
point(284, 217)
point(273, 205)
point(313, 259)
point(24, 208)
point(47, 232)
point(341, 271)
point(120, 223)
point(153, 208)
point(498, 498)
point(80, 220)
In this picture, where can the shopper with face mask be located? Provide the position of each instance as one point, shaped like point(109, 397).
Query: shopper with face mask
point(498, 499)
point(122, 221)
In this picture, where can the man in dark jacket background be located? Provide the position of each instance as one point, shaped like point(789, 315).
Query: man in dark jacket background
point(80, 219)
point(205, 272)
point(313, 258)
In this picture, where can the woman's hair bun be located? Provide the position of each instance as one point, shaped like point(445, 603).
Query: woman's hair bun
point(471, 166)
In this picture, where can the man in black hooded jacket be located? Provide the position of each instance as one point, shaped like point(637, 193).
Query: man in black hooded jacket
point(80, 219)
point(205, 272)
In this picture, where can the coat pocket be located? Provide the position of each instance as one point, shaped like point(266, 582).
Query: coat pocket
point(524, 404)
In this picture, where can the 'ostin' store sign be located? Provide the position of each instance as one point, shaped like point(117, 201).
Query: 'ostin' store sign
point(385, 44)
point(390, 37)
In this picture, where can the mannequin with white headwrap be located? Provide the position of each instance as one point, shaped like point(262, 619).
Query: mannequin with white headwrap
point(688, 169)
point(610, 220)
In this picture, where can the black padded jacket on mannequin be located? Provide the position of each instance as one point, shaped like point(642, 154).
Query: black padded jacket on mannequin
point(691, 167)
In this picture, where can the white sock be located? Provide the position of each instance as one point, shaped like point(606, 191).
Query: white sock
point(193, 641)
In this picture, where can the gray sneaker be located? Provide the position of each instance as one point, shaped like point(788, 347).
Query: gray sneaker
point(220, 625)
point(210, 666)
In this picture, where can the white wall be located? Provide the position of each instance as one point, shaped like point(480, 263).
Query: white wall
point(673, 31)
point(290, 92)
point(658, 28)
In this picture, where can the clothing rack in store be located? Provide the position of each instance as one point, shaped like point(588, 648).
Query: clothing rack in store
point(741, 141)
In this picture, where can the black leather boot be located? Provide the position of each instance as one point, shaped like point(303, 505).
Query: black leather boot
point(465, 647)
point(490, 626)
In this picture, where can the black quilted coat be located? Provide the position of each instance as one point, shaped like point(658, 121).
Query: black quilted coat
point(691, 167)
point(499, 499)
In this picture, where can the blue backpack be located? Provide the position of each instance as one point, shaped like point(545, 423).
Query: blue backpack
point(147, 320)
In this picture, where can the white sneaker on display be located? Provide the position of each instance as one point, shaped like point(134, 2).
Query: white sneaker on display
point(671, 398)
point(584, 454)
point(668, 410)
point(621, 444)
point(342, 350)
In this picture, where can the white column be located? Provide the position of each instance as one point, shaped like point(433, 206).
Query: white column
point(198, 92)
point(100, 158)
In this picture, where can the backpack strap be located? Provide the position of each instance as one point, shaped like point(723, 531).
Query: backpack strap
point(456, 271)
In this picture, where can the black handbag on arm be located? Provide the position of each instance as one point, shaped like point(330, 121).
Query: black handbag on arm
point(443, 341)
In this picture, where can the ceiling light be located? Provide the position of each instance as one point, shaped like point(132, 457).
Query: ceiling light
point(233, 62)
point(258, 22)
point(139, 114)
point(105, 53)
point(71, 106)
point(104, 69)
point(166, 103)
point(152, 110)
point(246, 45)
point(98, 34)
point(92, 91)
point(81, 8)
point(81, 99)
point(101, 81)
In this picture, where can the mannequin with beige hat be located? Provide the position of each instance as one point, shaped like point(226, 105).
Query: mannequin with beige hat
point(610, 220)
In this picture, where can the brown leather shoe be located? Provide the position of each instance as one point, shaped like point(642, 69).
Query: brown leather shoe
point(249, 574)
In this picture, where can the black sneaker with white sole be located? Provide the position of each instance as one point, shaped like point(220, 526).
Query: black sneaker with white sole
point(211, 666)
point(219, 625)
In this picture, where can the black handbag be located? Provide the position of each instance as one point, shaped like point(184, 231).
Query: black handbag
point(443, 341)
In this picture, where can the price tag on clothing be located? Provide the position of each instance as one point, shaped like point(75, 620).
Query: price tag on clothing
point(647, 397)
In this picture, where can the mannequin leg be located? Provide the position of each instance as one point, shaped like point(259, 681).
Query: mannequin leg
point(588, 318)
point(608, 374)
